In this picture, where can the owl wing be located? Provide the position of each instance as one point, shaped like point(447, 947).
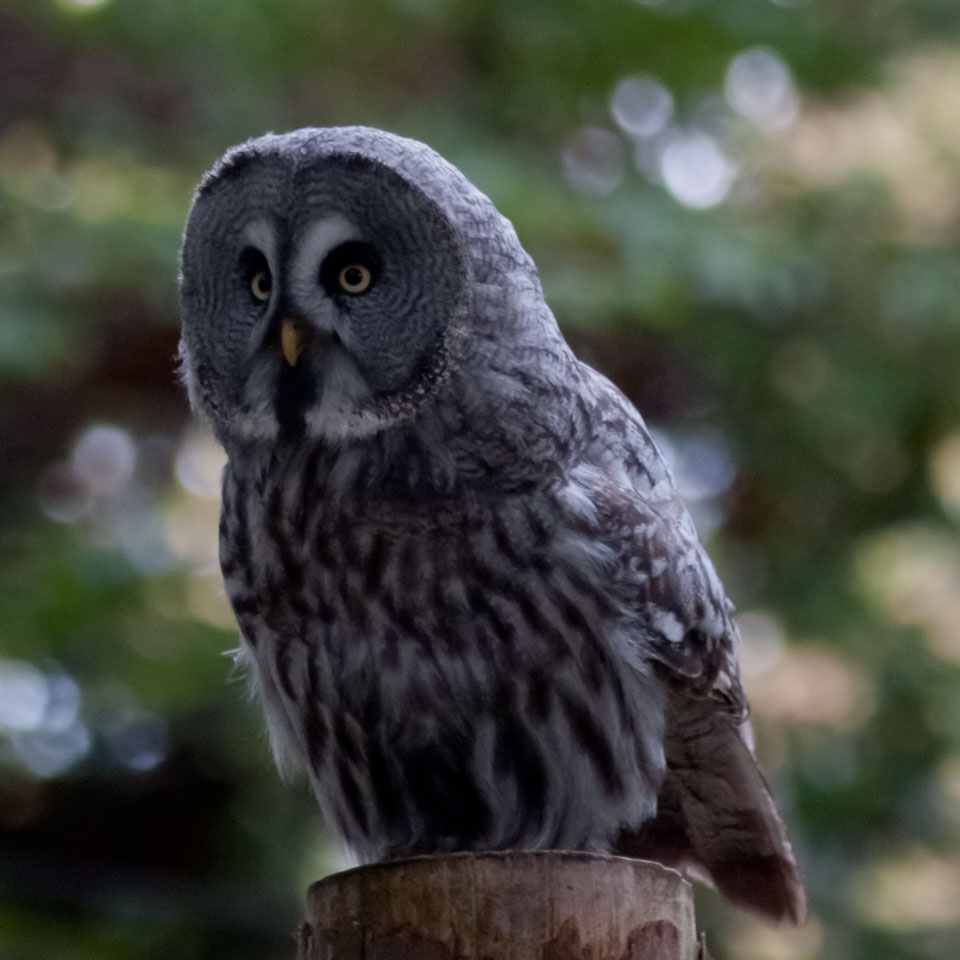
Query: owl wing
point(716, 817)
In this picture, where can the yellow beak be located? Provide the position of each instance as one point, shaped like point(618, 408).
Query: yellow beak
point(290, 342)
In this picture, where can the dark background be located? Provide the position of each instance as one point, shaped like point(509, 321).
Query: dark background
point(745, 211)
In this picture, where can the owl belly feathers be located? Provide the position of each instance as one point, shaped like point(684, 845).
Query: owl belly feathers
point(443, 672)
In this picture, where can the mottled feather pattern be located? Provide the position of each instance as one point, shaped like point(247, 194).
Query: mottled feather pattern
point(455, 634)
point(475, 611)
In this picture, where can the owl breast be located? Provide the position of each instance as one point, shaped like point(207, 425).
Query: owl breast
point(441, 670)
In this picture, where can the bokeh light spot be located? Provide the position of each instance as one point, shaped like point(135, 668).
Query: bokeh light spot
point(695, 170)
point(910, 892)
point(199, 465)
point(48, 753)
point(24, 695)
point(190, 526)
point(63, 703)
point(703, 469)
point(641, 106)
point(761, 642)
point(703, 464)
point(913, 574)
point(41, 714)
point(104, 458)
point(759, 87)
point(812, 685)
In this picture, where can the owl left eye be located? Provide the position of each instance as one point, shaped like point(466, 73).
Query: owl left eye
point(351, 268)
point(355, 278)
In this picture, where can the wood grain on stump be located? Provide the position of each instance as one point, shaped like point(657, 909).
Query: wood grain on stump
point(501, 906)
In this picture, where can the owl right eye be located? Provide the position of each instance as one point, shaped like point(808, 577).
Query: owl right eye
point(255, 272)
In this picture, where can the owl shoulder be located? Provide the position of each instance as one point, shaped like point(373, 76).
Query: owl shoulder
point(676, 612)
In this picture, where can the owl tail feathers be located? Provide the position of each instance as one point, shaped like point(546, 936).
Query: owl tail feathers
point(717, 821)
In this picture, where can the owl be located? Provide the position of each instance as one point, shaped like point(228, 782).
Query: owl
point(474, 609)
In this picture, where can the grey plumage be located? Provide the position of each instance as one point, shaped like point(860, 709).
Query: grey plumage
point(476, 612)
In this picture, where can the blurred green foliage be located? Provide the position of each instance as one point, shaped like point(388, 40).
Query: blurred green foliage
point(771, 273)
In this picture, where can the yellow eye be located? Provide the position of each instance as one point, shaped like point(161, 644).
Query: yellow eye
point(260, 285)
point(355, 278)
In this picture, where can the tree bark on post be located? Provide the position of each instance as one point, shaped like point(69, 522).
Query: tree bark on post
point(502, 906)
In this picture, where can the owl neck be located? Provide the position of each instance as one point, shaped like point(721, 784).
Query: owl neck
point(455, 447)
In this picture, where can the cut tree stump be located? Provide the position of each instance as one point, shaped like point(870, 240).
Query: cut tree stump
point(502, 906)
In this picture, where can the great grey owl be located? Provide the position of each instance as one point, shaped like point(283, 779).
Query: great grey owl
point(475, 610)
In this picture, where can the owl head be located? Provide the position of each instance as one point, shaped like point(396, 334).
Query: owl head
point(330, 281)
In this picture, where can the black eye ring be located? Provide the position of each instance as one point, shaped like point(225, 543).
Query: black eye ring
point(352, 269)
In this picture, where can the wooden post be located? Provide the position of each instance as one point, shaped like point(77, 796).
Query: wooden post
point(502, 906)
